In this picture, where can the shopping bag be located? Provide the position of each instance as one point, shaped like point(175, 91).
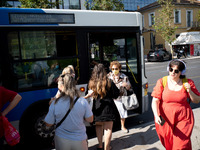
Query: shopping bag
point(11, 134)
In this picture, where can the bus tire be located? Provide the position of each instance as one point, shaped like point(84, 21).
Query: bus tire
point(32, 126)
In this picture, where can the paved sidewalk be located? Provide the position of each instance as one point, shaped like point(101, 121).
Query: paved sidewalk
point(144, 137)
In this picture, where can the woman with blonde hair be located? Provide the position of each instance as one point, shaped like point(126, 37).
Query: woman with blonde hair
point(104, 109)
point(67, 70)
point(71, 134)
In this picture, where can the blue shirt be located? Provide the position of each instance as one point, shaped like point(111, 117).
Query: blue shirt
point(73, 127)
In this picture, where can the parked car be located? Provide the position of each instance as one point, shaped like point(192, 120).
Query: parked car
point(159, 55)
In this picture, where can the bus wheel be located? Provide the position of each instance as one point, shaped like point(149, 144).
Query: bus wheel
point(32, 127)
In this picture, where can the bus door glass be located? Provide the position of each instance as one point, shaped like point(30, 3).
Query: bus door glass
point(107, 47)
point(132, 63)
point(39, 57)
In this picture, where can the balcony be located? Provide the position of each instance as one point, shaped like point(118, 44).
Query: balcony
point(195, 26)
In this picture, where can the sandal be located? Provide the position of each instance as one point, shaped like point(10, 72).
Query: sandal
point(125, 130)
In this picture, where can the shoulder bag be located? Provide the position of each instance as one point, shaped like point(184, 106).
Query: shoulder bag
point(130, 102)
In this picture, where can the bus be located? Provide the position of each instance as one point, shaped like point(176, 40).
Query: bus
point(36, 44)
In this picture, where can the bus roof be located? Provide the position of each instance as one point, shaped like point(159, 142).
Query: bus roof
point(67, 17)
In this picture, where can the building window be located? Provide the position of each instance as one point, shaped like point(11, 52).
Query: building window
point(151, 18)
point(177, 16)
point(189, 18)
point(14, 3)
point(74, 4)
point(70, 4)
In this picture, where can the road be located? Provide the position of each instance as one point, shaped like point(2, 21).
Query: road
point(156, 70)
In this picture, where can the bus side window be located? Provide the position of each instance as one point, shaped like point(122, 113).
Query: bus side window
point(66, 45)
point(13, 45)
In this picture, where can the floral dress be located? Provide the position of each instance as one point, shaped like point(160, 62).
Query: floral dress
point(176, 111)
point(118, 101)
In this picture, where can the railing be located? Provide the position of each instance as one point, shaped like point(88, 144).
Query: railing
point(196, 24)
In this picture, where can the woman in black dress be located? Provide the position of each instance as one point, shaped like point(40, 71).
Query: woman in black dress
point(103, 91)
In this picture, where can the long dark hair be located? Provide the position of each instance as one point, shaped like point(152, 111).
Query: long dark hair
point(99, 81)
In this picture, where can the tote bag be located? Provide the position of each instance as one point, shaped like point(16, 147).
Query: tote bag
point(130, 102)
point(11, 134)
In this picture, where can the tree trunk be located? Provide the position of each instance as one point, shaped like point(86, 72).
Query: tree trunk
point(172, 52)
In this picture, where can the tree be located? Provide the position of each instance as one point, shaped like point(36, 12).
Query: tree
point(39, 4)
point(112, 5)
point(164, 22)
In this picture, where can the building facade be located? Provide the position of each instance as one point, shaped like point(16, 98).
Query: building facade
point(65, 4)
point(132, 5)
point(185, 16)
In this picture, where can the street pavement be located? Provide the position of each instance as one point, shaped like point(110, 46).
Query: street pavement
point(144, 137)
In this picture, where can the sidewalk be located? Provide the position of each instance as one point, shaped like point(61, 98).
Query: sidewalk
point(144, 137)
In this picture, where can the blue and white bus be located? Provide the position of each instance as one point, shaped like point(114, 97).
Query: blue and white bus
point(36, 44)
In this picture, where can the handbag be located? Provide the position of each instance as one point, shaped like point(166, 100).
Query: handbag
point(130, 102)
point(11, 134)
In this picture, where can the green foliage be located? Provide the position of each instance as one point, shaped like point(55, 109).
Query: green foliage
point(164, 21)
point(112, 5)
point(39, 4)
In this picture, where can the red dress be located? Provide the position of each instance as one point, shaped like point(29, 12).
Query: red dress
point(176, 111)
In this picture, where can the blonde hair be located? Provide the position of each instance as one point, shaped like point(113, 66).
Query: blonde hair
point(69, 69)
point(69, 88)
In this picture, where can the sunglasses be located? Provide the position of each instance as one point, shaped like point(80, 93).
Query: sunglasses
point(171, 70)
point(115, 69)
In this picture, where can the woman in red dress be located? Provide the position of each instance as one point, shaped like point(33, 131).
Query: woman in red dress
point(174, 118)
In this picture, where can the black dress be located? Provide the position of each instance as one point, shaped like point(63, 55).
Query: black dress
point(105, 109)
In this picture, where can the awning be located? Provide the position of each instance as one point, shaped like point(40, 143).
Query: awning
point(187, 38)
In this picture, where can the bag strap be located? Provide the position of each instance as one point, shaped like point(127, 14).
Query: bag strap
point(59, 123)
point(164, 81)
point(184, 80)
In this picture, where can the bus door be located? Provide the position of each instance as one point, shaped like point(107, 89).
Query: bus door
point(105, 47)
